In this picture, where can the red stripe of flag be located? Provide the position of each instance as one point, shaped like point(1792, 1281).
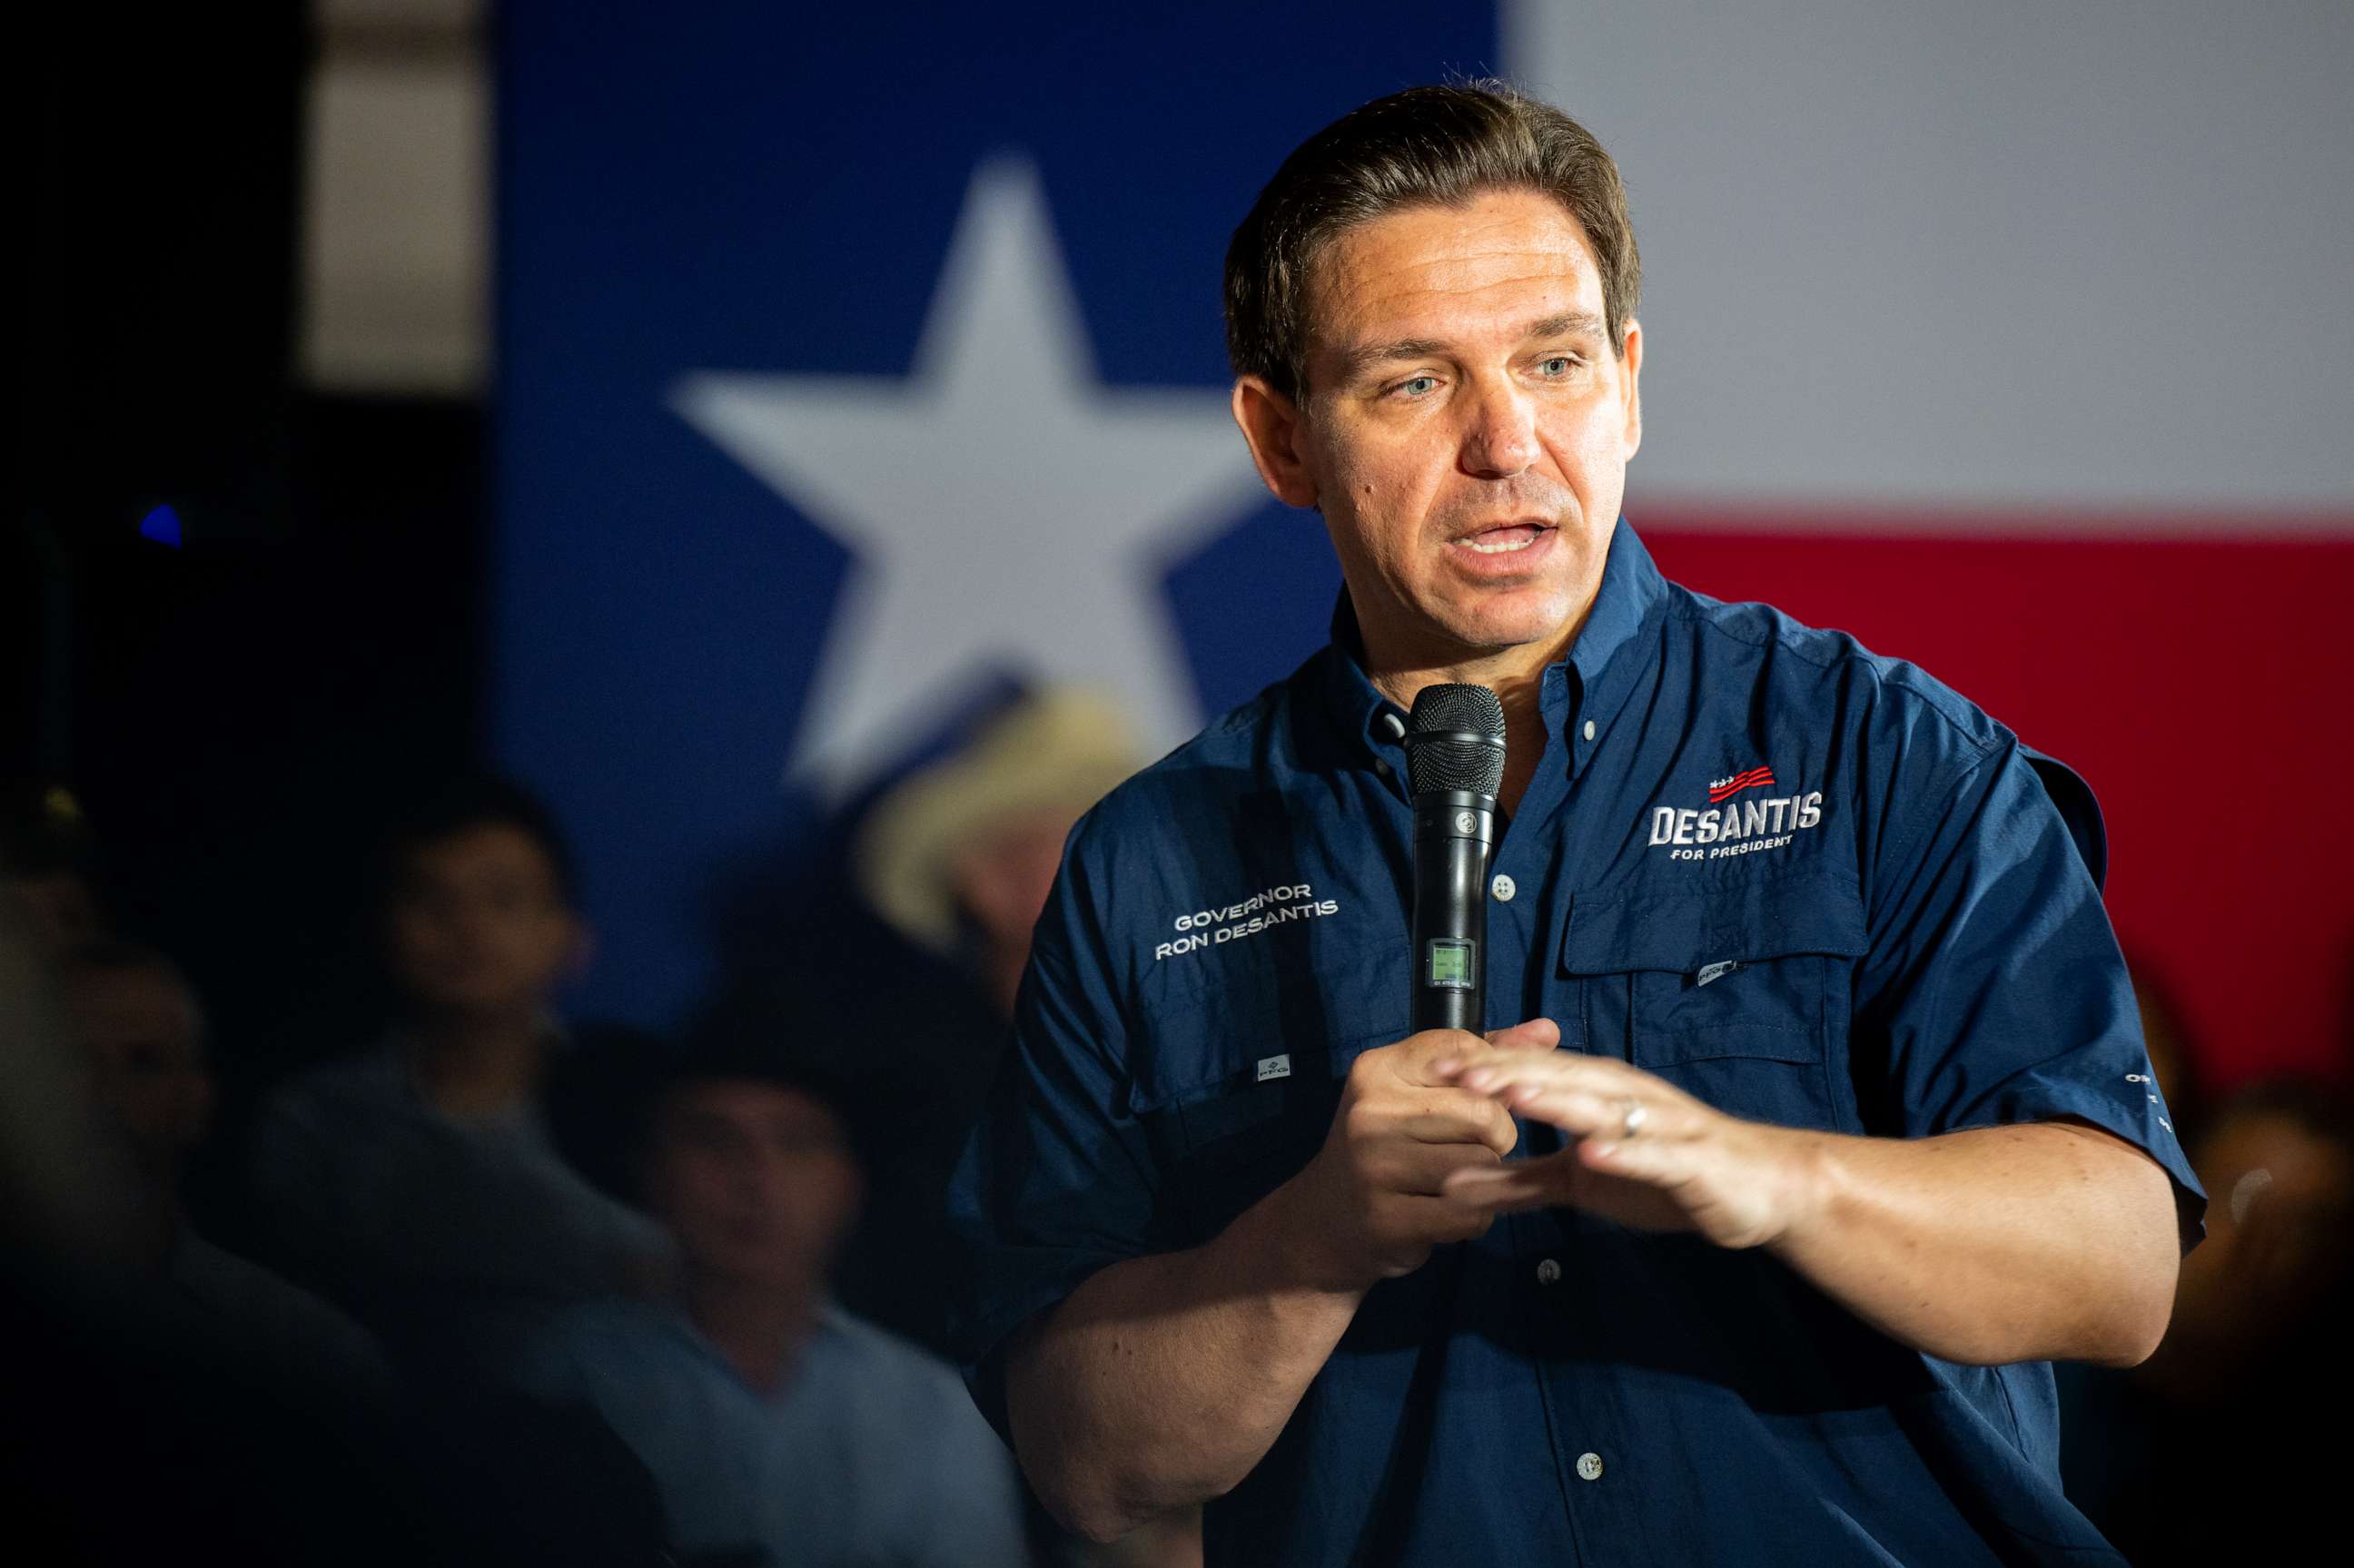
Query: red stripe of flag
point(1740, 781)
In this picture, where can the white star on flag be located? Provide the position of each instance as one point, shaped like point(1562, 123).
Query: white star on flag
point(1007, 512)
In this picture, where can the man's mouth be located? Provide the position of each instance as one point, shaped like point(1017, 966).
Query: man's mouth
point(1505, 539)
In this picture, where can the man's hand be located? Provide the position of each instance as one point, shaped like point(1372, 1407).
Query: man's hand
point(1377, 1197)
point(1641, 1152)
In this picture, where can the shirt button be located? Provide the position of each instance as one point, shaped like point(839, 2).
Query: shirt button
point(1589, 1467)
point(1503, 887)
point(1547, 1271)
point(1589, 729)
point(1393, 726)
point(1381, 767)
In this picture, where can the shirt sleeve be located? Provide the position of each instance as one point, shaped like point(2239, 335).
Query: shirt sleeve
point(1058, 1181)
point(1994, 991)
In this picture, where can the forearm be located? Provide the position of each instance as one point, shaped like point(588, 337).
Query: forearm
point(1997, 1244)
point(1162, 1380)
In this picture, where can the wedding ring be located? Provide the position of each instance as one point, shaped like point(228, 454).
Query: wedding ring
point(1636, 1113)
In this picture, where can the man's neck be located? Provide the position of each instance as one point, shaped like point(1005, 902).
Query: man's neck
point(1515, 674)
point(759, 1328)
point(479, 1065)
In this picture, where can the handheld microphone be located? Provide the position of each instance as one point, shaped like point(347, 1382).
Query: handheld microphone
point(1454, 765)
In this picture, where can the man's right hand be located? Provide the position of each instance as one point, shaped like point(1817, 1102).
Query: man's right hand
point(1372, 1204)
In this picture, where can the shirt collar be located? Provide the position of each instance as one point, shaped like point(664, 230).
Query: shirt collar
point(1593, 681)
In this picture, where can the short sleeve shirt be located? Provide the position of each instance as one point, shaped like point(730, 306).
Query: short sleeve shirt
point(1806, 883)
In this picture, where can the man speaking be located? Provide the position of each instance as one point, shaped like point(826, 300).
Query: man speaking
point(1830, 1124)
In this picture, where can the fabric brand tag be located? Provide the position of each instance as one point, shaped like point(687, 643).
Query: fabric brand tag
point(1715, 971)
point(1275, 1067)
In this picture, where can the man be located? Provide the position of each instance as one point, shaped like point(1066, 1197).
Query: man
point(955, 863)
point(961, 854)
point(419, 1181)
point(777, 1427)
point(135, 1020)
point(46, 865)
point(1833, 1122)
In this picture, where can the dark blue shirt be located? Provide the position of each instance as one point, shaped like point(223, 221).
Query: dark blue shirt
point(1806, 883)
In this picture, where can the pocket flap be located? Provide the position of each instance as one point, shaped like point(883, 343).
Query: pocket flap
point(1686, 930)
point(1310, 1012)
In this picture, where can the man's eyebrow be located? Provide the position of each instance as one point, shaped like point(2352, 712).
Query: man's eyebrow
point(1569, 323)
point(1356, 361)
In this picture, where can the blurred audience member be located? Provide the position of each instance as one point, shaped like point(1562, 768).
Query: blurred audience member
point(960, 856)
point(134, 1018)
point(47, 879)
point(2280, 1243)
point(417, 1182)
point(956, 858)
point(779, 1428)
point(2210, 1451)
point(132, 1430)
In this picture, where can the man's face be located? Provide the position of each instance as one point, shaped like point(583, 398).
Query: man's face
point(478, 925)
point(756, 1182)
point(138, 1029)
point(1466, 427)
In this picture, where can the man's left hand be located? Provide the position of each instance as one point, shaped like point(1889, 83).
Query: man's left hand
point(1640, 1151)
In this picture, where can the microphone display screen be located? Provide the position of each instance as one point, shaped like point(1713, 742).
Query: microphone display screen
point(1452, 965)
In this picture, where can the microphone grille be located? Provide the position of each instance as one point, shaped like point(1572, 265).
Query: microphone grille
point(1455, 741)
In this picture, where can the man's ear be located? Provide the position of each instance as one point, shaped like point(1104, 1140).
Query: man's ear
point(1631, 359)
point(1271, 424)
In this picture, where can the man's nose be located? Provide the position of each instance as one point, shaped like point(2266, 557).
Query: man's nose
point(1500, 442)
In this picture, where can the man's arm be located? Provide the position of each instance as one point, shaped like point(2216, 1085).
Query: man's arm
point(2041, 1241)
point(1162, 1380)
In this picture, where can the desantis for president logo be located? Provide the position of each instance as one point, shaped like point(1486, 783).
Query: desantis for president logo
point(1739, 819)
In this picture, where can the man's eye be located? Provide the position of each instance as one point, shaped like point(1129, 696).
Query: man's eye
point(1418, 386)
point(1556, 365)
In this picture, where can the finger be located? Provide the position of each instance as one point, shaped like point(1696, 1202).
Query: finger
point(1529, 1034)
point(1578, 1112)
point(1663, 1164)
point(1478, 1120)
point(1534, 1036)
point(1501, 1070)
point(1432, 1058)
point(1426, 1169)
point(1518, 1184)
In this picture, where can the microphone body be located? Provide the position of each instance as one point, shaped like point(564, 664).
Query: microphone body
point(1455, 763)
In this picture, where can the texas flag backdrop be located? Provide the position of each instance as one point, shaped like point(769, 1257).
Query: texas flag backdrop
point(861, 364)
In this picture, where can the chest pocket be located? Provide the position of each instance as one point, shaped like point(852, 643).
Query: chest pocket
point(1245, 1075)
point(1740, 996)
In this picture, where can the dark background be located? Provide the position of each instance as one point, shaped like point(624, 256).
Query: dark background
point(235, 715)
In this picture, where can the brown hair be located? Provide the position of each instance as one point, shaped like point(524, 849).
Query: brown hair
point(1428, 146)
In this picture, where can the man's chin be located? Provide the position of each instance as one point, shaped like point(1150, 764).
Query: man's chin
point(1498, 627)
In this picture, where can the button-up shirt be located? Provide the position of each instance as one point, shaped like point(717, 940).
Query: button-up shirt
point(1808, 884)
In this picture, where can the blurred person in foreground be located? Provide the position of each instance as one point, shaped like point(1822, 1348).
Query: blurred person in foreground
point(1827, 1126)
point(2225, 1445)
point(418, 1183)
point(141, 1032)
point(778, 1428)
point(47, 881)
